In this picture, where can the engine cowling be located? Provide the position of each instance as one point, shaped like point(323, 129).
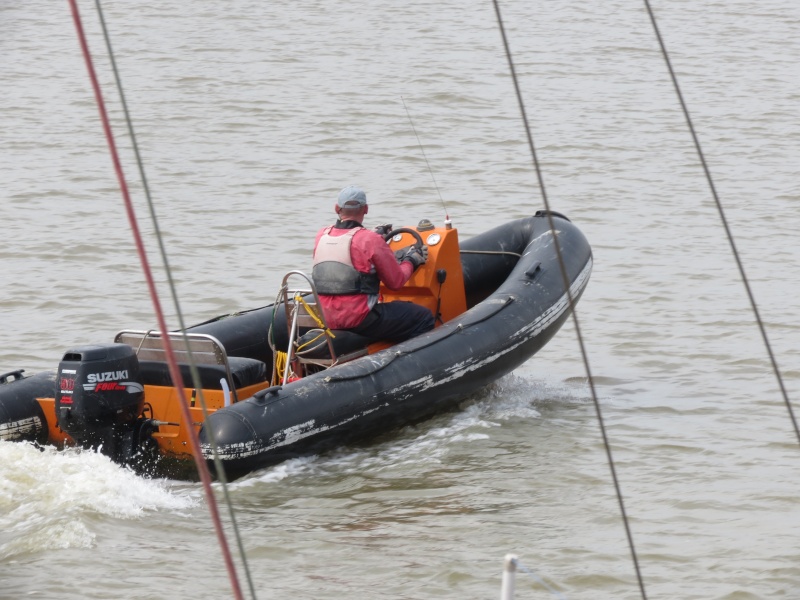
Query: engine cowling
point(98, 390)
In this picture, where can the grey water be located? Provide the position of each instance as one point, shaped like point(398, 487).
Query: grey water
point(251, 115)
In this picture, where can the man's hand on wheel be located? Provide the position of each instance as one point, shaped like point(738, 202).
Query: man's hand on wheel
point(416, 256)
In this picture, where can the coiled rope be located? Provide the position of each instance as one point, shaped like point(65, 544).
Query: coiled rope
point(565, 278)
point(724, 221)
point(174, 370)
point(278, 366)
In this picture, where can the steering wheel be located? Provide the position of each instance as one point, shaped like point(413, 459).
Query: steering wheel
point(419, 243)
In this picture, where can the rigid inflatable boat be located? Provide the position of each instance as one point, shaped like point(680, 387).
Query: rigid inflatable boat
point(275, 383)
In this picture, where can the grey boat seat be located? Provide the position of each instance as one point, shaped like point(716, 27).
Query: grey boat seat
point(244, 372)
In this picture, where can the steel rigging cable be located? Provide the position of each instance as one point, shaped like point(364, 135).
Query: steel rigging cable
point(174, 370)
point(195, 374)
point(565, 277)
point(724, 220)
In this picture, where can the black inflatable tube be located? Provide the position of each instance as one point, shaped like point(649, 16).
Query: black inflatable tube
point(21, 416)
point(420, 377)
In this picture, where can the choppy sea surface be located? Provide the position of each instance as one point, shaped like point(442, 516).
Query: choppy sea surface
point(251, 115)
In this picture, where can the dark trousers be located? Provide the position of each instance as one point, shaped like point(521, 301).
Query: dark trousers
point(395, 322)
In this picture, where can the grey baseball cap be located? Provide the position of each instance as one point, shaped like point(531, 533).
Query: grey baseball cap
point(352, 197)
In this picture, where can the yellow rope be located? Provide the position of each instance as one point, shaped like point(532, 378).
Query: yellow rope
point(280, 365)
point(282, 357)
point(313, 315)
point(308, 343)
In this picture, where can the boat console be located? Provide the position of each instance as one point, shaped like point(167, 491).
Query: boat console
point(438, 284)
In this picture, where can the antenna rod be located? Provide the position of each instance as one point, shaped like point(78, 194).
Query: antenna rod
point(447, 221)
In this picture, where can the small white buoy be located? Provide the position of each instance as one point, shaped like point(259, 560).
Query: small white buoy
point(509, 572)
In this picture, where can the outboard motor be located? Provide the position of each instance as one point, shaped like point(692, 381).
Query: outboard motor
point(100, 399)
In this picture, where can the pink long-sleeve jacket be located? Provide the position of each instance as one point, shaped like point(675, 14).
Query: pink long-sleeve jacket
point(367, 250)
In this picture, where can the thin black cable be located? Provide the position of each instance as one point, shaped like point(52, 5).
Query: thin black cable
point(565, 277)
point(193, 367)
point(419, 142)
point(724, 220)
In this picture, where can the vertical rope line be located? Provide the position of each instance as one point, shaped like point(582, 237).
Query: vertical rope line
point(219, 467)
point(565, 278)
point(175, 373)
point(422, 149)
point(724, 220)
